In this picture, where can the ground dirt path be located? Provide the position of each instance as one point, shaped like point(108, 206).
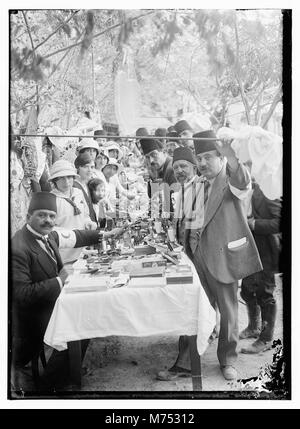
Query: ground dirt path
point(129, 364)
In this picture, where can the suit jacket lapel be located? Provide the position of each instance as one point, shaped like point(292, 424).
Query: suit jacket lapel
point(216, 195)
point(45, 262)
point(56, 251)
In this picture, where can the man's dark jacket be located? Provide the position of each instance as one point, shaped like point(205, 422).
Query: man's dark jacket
point(266, 228)
point(35, 288)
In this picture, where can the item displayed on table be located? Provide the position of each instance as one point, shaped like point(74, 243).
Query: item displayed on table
point(147, 272)
point(179, 274)
point(147, 282)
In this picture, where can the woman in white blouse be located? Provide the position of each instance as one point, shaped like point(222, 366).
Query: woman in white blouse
point(72, 209)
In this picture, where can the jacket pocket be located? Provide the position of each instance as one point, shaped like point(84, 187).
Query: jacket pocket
point(238, 259)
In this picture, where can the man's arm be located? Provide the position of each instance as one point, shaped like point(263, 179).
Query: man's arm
point(65, 238)
point(239, 176)
point(25, 291)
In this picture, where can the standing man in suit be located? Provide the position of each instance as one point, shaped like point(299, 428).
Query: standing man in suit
point(38, 275)
point(220, 244)
point(257, 290)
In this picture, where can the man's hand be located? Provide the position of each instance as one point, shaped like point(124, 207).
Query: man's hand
point(225, 149)
point(63, 274)
point(115, 232)
point(90, 225)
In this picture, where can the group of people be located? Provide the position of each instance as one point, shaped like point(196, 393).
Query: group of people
point(222, 219)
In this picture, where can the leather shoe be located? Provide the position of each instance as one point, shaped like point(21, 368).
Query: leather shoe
point(229, 372)
point(173, 374)
point(257, 347)
point(249, 333)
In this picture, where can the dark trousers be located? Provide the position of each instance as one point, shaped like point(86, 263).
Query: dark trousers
point(259, 288)
point(57, 371)
point(224, 297)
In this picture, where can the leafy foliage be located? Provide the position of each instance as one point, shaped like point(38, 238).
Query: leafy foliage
point(184, 60)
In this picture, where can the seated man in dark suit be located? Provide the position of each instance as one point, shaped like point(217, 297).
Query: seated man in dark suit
point(38, 276)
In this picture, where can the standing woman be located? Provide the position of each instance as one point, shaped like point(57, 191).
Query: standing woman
point(85, 166)
point(72, 210)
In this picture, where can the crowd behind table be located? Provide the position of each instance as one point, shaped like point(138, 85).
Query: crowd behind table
point(199, 185)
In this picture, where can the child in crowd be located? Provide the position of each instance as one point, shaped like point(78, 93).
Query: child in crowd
point(101, 205)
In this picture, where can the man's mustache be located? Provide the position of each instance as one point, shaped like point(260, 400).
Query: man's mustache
point(46, 224)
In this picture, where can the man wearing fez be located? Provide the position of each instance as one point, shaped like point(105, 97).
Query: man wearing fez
point(140, 133)
point(38, 275)
point(161, 132)
point(185, 171)
point(220, 244)
point(171, 143)
point(185, 131)
point(159, 165)
point(98, 137)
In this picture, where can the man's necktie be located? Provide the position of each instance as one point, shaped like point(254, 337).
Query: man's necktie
point(49, 248)
point(206, 187)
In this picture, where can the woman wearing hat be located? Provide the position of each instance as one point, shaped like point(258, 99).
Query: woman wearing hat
point(112, 150)
point(90, 147)
point(72, 210)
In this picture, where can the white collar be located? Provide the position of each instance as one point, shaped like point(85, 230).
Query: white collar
point(35, 232)
point(190, 182)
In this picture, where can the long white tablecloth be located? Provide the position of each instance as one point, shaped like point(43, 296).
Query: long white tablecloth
point(181, 309)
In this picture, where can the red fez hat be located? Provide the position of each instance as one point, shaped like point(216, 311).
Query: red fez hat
point(160, 132)
point(141, 132)
point(204, 145)
point(42, 201)
point(148, 145)
point(184, 153)
point(181, 126)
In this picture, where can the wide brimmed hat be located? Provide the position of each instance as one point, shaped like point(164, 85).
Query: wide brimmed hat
point(112, 161)
point(62, 168)
point(42, 201)
point(112, 146)
point(88, 144)
point(181, 126)
point(148, 145)
point(184, 153)
point(204, 145)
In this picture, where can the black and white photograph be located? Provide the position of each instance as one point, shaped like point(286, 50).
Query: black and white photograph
point(149, 207)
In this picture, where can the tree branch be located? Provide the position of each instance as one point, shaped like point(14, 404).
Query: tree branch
point(98, 34)
point(275, 101)
point(237, 75)
point(56, 30)
point(34, 55)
